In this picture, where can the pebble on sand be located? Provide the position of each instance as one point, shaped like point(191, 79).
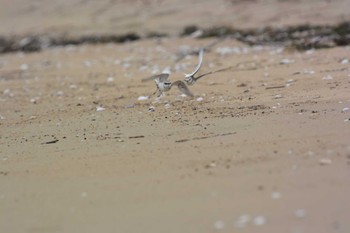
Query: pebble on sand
point(219, 225)
point(100, 109)
point(242, 221)
point(325, 161)
point(259, 220)
point(276, 195)
point(142, 98)
point(24, 67)
point(345, 110)
point(344, 61)
point(110, 79)
point(286, 61)
point(300, 213)
point(328, 77)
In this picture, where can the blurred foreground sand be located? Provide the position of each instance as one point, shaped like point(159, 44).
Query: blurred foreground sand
point(79, 17)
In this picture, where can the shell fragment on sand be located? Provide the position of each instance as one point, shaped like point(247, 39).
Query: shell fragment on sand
point(100, 109)
point(325, 161)
point(142, 98)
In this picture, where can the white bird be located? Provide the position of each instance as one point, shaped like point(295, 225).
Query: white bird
point(164, 85)
point(189, 78)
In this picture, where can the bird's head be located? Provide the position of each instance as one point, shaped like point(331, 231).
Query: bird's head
point(190, 80)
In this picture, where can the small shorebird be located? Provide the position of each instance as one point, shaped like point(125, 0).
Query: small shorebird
point(189, 78)
point(164, 85)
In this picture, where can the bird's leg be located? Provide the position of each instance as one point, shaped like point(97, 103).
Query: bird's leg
point(160, 94)
point(155, 91)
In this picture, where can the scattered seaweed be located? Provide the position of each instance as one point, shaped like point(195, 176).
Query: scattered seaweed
point(35, 43)
point(301, 37)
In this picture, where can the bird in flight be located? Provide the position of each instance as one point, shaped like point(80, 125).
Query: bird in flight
point(190, 79)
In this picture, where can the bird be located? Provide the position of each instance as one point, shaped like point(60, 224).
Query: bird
point(190, 79)
point(164, 85)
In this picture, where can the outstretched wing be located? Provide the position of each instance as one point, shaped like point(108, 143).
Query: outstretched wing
point(202, 75)
point(213, 72)
point(199, 63)
point(162, 77)
point(183, 88)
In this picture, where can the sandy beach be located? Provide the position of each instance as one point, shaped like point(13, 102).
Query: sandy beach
point(263, 146)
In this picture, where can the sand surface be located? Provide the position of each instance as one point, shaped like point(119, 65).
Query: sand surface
point(262, 147)
point(79, 17)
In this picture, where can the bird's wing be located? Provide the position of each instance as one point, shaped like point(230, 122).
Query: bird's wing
point(202, 75)
point(162, 77)
point(199, 63)
point(183, 88)
point(213, 72)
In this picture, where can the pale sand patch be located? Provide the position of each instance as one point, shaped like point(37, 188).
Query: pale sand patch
point(189, 165)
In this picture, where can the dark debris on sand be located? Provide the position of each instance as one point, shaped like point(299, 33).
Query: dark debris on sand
point(301, 37)
point(34, 43)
